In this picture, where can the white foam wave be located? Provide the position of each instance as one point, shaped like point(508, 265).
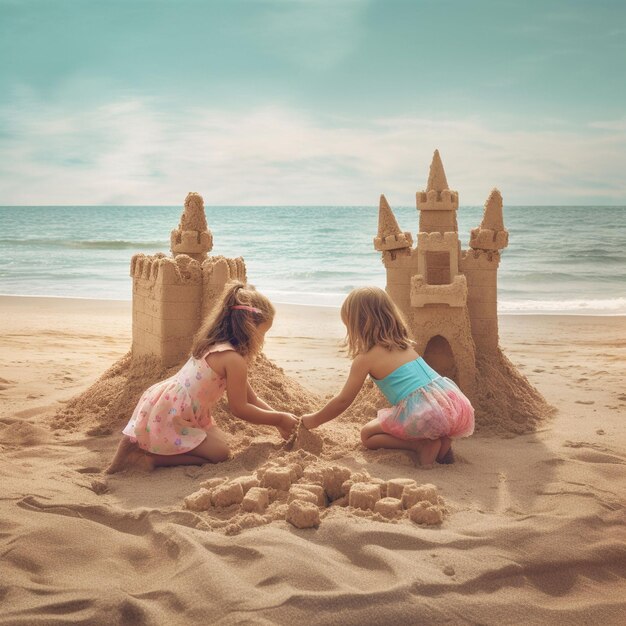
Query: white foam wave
point(611, 306)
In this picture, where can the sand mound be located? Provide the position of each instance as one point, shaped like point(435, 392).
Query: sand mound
point(111, 399)
point(505, 400)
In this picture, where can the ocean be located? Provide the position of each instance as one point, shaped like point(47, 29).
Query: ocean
point(560, 259)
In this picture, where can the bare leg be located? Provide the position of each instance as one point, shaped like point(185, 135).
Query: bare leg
point(374, 437)
point(212, 450)
point(168, 460)
point(445, 456)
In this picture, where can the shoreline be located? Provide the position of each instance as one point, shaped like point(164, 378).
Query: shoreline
point(8, 296)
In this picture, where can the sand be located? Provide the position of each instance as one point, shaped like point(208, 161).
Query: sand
point(531, 530)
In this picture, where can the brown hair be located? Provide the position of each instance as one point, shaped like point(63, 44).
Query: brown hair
point(371, 319)
point(234, 325)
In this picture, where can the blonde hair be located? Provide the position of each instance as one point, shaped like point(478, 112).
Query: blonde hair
point(372, 319)
point(235, 325)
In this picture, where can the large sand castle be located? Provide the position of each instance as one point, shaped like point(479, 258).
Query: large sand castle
point(447, 295)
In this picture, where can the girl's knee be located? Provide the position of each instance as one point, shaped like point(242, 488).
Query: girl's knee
point(221, 454)
point(364, 437)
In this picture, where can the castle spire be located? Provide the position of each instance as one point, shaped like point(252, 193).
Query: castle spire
point(192, 237)
point(390, 237)
point(387, 223)
point(491, 234)
point(437, 176)
point(492, 217)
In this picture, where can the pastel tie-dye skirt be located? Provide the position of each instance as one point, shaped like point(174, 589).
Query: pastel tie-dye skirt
point(438, 409)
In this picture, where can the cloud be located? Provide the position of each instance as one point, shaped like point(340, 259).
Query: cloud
point(132, 152)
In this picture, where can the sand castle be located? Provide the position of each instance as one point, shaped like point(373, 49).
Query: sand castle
point(447, 295)
point(171, 295)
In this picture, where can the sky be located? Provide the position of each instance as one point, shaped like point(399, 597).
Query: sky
point(305, 102)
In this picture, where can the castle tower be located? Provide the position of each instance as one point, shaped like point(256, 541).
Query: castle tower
point(192, 237)
point(480, 266)
point(425, 282)
point(395, 246)
point(172, 295)
point(437, 205)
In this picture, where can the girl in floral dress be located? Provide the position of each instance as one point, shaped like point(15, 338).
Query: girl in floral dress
point(172, 422)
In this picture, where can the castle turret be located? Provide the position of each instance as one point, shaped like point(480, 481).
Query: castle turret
point(192, 237)
point(395, 246)
point(437, 205)
point(480, 266)
point(491, 234)
point(390, 237)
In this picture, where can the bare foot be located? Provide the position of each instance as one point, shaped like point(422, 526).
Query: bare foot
point(445, 455)
point(427, 450)
point(140, 459)
point(129, 453)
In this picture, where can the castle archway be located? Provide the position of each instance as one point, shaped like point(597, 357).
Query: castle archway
point(438, 354)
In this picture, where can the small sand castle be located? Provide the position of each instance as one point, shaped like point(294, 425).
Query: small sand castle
point(171, 295)
point(449, 295)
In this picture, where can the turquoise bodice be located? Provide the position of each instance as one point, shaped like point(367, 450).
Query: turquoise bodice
point(406, 379)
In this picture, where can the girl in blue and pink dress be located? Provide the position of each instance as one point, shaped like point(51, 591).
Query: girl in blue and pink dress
point(172, 422)
point(428, 410)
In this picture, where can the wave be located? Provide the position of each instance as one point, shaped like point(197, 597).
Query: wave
point(610, 306)
point(88, 244)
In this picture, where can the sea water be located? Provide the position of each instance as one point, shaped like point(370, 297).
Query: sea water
point(560, 259)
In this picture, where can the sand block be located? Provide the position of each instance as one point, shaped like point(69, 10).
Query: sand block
point(247, 482)
point(425, 513)
point(296, 493)
point(334, 478)
point(227, 494)
point(313, 475)
point(382, 484)
point(296, 470)
point(413, 495)
point(389, 507)
point(395, 486)
point(211, 483)
point(307, 440)
point(357, 477)
point(199, 500)
point(256, 500)
point(364, 496)
point(303, 514)
point(316, 490)
point(278, 478)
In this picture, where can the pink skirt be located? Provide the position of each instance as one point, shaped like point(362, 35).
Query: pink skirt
point(438, 409)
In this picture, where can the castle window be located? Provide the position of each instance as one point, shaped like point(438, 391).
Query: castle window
point(437, 268)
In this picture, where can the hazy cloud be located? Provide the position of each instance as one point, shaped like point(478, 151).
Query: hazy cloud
point(129, 151)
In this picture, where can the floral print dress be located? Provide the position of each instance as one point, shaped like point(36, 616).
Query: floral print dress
point(174, 415)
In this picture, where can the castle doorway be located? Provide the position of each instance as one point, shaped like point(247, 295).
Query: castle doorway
point(438, 354)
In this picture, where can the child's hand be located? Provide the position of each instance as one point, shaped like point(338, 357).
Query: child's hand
point(308, 421)
point(287, 424)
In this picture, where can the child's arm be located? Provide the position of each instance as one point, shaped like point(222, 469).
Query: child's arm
point(254, 399)
point(336, 406)
point(237, 389)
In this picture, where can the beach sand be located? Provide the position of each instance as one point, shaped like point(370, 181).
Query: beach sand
point(534, 532)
